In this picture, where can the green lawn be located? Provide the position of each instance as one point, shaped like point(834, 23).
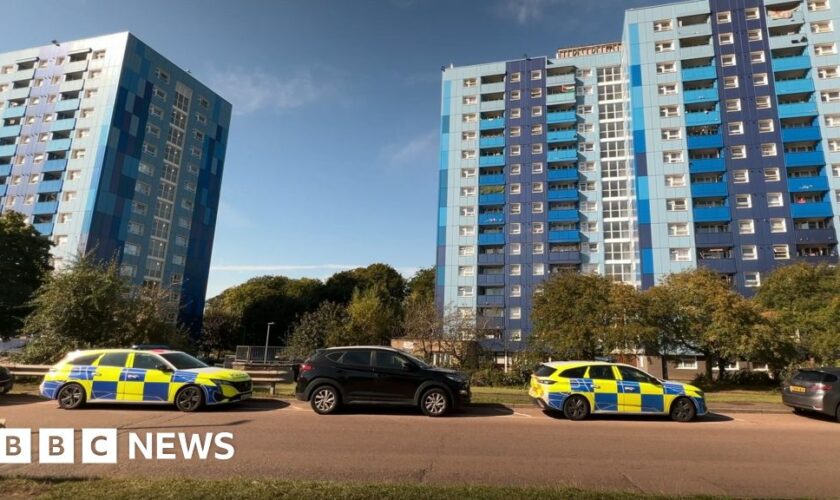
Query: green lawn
point(183, 489)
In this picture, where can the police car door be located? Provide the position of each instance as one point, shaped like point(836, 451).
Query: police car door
point(106, 378)
point(604, 387)
point(640, 392)
point(149, 382)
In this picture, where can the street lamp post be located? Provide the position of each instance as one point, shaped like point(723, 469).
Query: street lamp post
point(265, 353)
point(504, 335)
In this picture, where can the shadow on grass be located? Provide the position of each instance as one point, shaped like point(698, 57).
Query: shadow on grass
point(20, 399)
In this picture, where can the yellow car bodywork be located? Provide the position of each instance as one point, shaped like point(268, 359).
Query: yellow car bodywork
point(136, 382)
point(552, 386)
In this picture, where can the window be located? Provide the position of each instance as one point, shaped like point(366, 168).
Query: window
point(765, 125)
point(135, 228)
point(601, 372)
point(516, 112)
point(536, 74)
point(516, 269)
point(735, 128)
point(830, 96)
point(668, 67)
point(781, 252)
point(730, 82)
point(669, 134)
point(537, 207)
point(515, 248)
point(678, 229)
point(465, 291)
point(117, 359)
point(758, 57)
point(538, 269)
point(775, 200)
point(536, 148)
point(817, 5)
point(538, 248)
point(466, 251)
point(515, 95)
point(738, 152)
point(515, 150)
point(821, 27)
point(470, 82)
point(515, 131)
point(675, 180)
point(664, 46)
point(746, 226)
point(825, 49)
point(584, 109)
point(536, 93)
point(515, 228)
point(663, 25)
point(752, 280)
point(751, 13)
point(827, 72)
point(515, 208)
point(676, 205)
point(771, 174)
point(754, 35)
point(749, 252)
point(733, 105)
point(687, 363)
point(466, 231)
point(680, 255)
point(726, 38)
point(669, 111)
point(536, 129)
point(516, 291)
point(162, 75)
point(740, 176)
point(515, 313)
point(778, 226)
point(723, 17)
point(672, 156)
point(743, 201)
point(759, 79)
point(768, 149)
point(515, 169)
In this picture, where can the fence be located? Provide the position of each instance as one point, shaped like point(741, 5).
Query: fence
point(258, 354)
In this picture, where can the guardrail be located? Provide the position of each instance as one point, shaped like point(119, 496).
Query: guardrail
point(28, 370)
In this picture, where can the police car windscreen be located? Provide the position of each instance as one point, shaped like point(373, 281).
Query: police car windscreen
point(182, 361)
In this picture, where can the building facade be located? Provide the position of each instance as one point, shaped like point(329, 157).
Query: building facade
point(708, 137)
point(109, 148)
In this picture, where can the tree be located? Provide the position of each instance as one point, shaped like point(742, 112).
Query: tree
point(384, 278)
point(371, 320)
point(90, 305)
point(315, 329)
point(421, 286)
point(24, 264)
point(218, 332)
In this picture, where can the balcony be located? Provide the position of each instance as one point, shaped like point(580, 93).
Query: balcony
point(54, 165)
point(569, 236)
point(490, 300)
point(491, 161)
point(491, 123)
point(491, 180)
point(804, 159)
point(562, 136)
point(701, 95)
point(803, 236)
point(491, 199)
point(491, 258)
point(564, 257)
point(723, 266)
point(699, 73)
point(713, 239)
point(705, 141)
point(703, 165)
point(57, 145)
point(17, 93)
point(806, 184)
point(490, 279)
point(8, 150)
point(14, 112)
point(702, 118)
point(794, 86)
point(562, 154)
point(797, 109)
point(560, 97)
point(490, 322)
point(563, 174)
point(801, 134)
point(23, 74)
point(492, 88)
point(492, 142)
point(791, 63)
point(77, 66)
point(712, 214)
point(50, 186)
point(45, 207)
point(561, 117)
point(562, 194)
point(44, 228)
point(67, 105)
point(491, 239)
point(491, 218)
point(71, 86)
point(790, 40)
point(569, 215)
point(809, 210)
point(710, 189)
point(697, 29)
point(10, 131)
point(5, 170)
point(66, 124)
point(567, 79)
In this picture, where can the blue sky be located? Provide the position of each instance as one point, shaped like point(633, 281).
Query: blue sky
point(332, 160)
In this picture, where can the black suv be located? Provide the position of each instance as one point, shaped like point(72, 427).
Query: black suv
point(378, 375)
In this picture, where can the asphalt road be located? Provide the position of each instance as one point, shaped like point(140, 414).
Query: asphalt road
point(737, 454)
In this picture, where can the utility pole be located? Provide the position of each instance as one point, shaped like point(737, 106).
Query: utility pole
point(265, 353)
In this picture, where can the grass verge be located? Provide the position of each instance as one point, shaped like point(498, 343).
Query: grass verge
point(183, 489)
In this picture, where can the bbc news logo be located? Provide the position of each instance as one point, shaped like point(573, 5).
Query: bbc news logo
point(101, 446)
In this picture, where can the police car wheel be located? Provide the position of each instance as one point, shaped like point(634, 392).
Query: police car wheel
point(434, 403)
point(324, 400)
point(189, 398)
point(576, 408)
point(71, 396)
point(683, 410)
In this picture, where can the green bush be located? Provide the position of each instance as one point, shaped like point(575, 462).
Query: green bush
point(495, 377)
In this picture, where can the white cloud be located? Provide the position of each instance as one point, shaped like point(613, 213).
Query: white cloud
point(258, 90)
point(421, 146)
point(524, 10)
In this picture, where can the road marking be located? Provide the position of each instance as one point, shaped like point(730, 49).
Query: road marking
point(522, 414)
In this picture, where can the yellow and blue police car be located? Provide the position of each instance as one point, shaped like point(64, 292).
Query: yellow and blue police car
point(142, 376)
point(580, 388)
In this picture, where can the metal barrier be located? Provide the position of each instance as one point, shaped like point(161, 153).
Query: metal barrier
point(258, 354)
point(28, 370)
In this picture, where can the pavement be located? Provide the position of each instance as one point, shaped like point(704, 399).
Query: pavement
point(734, 453)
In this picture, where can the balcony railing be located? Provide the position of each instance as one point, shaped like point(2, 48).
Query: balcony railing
point(809, 210)
point(807, 184)
point(491, 218)
point(562, 194)
point(568, 215)
point(797, 109)
point(491, 123)
point(561, 117)
point(711, 189)
point(791, 63)
point(562, 154)
point(801, 134)
point(804, 159)
point(712, 214)
point(491, 180)
point(567, 236)
point(563, 174)
point(699, 73)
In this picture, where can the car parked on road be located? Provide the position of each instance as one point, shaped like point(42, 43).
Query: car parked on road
point(7, 380)
point(142, 376)
point(378, 375)
point(580, 388)
point(814, 390)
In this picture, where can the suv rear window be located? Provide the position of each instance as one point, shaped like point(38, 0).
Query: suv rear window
point(357, 357)
point(809, 376)
point(544, 371)
point(574, 372)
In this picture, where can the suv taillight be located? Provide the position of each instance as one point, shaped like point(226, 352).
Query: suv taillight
point(821, 387)
point(306, 367)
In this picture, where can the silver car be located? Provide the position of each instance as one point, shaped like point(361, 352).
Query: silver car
point(816, 389)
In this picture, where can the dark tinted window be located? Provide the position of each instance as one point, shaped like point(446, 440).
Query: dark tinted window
point(829, 378)
point(357, 357)
point(390, 360)
point(808, 376)
point(544, 371)
point(601, 372)
point(114, 359)
point(146, 361)
point(182, 361)
point(634, 375)
point(578, 372)
point(334, 356)
point(87, 359)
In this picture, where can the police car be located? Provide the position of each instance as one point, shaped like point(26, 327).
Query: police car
point(159, 376)
point(580, 388)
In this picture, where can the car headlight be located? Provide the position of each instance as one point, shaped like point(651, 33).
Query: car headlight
point(222, 382)
point(546, 382)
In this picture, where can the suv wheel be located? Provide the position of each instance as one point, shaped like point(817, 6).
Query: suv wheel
point(324, 400)
point(71, 396)
point(434, 403)
point(576, 408)
point(683, 410)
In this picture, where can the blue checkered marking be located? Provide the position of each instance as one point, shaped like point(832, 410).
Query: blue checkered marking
point(700, 405)
point(156, 391)
point(212, 394)
point(184, 377)
point(629, 387)
point(49, 389)
point(606, 402)
point(653, 403)
point(581, 384)
point(104, 390)
point(674, 388)
point(133, 375)
point(556, 399)
point(82, 373)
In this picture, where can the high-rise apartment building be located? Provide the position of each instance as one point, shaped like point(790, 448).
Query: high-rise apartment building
point(108, 147)
point(709, 136)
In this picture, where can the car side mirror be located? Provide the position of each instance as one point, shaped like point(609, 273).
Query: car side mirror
point(409, 367)
point(164, 368)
